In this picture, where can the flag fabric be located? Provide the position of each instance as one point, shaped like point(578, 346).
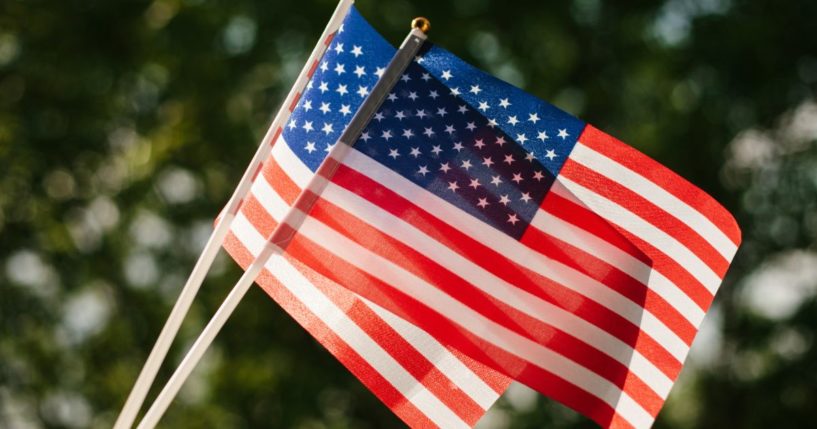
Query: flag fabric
point(498, 232)
point(423, 382)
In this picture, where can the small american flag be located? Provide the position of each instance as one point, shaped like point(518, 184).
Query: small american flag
point(479, 228)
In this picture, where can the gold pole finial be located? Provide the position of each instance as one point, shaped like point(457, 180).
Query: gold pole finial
point(421, 23)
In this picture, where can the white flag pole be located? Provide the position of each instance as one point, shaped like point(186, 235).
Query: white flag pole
point(283, 233)
point(157, 355)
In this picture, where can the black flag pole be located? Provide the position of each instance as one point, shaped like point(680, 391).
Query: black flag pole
point(284, 232)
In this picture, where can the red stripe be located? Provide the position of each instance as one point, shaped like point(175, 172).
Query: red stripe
point(502, 267)
point(312, 69)
point(329, 38)
point(257, 171)
point(545, 382)
point(660, 262)
point(391, 341)
point(275, 136)
point(663, 177)
point(641, 207)
point(294, 102)
point(356, 364)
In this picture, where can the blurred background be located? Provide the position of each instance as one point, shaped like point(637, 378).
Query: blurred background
point(125, 124)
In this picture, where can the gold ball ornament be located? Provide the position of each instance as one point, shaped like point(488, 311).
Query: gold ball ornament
point(421, 23)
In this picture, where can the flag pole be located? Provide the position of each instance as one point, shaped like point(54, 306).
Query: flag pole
point(171, 327)
point(285, 231)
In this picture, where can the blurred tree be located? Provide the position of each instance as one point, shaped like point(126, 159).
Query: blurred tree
point(123, 126)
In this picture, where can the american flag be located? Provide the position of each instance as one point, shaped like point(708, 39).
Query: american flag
point(497, 232)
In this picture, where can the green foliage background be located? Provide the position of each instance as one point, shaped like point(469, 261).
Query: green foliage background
point(125, 124)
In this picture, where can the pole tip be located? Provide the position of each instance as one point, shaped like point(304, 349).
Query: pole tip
point(421, 23)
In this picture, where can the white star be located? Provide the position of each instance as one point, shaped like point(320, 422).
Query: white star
point(329, 147)
point(479, 143)
point(413, 95)
point(471, 126)
point(455, 91)
point(450, 129)
point(458, 146)
point(292, 124)
point(487, 161)
point(421, 113)
point(309, 85)
point(340, 30)
point(405, 77)
point(365, 136)
point(325, 108)
point(550, 154)
point(433, 95)
point(492, 122)
point(512, 219)
point(393, 153)
point(447, 74)
point(453, 186)
point(400, 115)
point(415, 152)
point(310, 147)
point(444, 167)
point(423, 170)
point(428, 132)
point(441, 112)
point(504, 199)
point(426, 77)
point(419, 59)
point(533, 117)
point(483, 105)
point(307, 126)
point(462, 109)
point(508, 159)
point(563, 133)
point(517, 178)
point(475, 89)
point(466, 165)
point(512, 120)
point(483, 202)
point(324, 66)
point(386, 135)
point(379, 71)
point(345, 109)
point(538, 176)
point(392, 97)
point(407, 133)
point(342, 90)
point(362, 91)
point(379, 116)
point(323, 87)
point(340, 69)
point(339, 48)
point(530, 156)
point(360, 71)
point(436, 149)
point(307, 105)
point(495, 180)
point(521, 138)
point(504, 103)
point(327, 128)
point(500, 141)
point(357, 51)
point(525, 197)
point(474, 183)
point(542, 135)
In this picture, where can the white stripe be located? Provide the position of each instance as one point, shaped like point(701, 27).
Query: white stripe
point(485, 328)
point(504, 244)
point(657, 195)
point(355, 337)
point(616, 214)
point(448, 364)
point(524, 256)
point(657, 282)
point(499, 289)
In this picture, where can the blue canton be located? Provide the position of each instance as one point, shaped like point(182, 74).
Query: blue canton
point(347, 72)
